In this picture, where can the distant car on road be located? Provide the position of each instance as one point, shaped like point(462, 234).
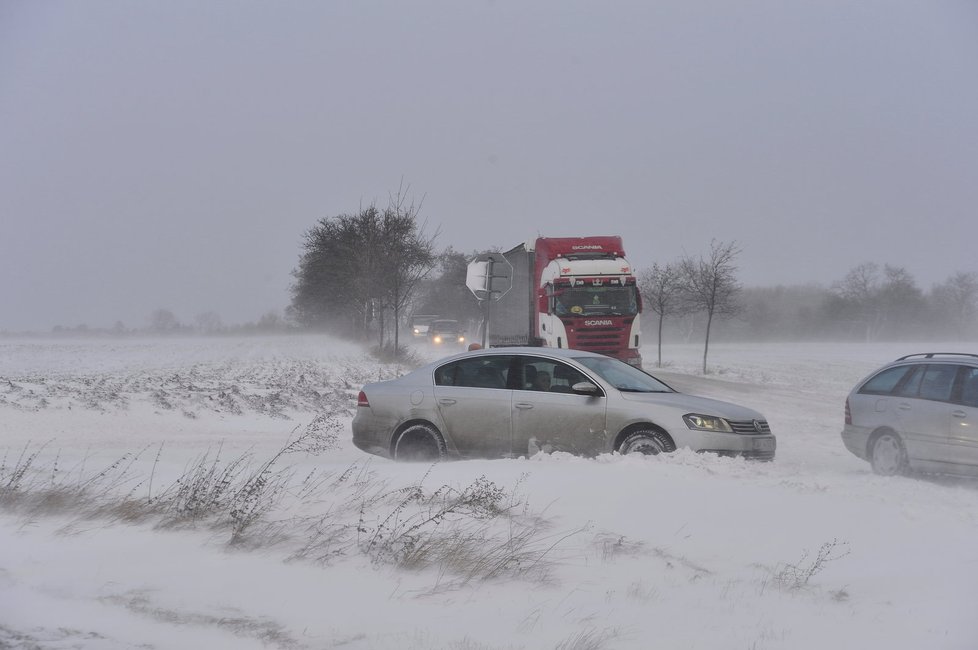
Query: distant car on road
point(420, 324)
point(445, 332)
point(919, 413)
point(509, 402)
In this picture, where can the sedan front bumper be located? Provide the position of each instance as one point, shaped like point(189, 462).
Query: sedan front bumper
point(762, 447)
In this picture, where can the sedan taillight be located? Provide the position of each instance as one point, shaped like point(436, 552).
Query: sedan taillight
point(848, 412)
point(362, 399)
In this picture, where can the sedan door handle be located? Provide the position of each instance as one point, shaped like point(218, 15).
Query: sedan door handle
point(959, 414)
point(446, 401)
point(903, 406)
point(523, 405)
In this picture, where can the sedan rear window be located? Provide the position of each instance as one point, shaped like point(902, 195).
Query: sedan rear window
point(477, 372)
point(884, 382)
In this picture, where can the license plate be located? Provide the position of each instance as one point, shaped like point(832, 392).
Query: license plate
point(765, 444)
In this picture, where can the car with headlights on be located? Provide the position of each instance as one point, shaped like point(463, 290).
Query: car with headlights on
point(419, 324)
point(918, 413)
point(445, 332)
point(511, 402)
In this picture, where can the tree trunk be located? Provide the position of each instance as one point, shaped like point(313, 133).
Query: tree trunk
point(397, 329)
point(380, 321)
point(661, 317)
point(706, 344)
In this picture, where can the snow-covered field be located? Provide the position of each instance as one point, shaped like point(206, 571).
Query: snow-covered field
point(340, 549)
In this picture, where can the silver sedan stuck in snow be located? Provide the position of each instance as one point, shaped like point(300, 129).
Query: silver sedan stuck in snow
point(510, 402)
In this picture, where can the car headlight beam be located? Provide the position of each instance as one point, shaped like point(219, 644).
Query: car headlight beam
point(698, 422)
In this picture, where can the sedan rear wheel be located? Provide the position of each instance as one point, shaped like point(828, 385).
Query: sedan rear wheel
point(646, 442)
point(888, 456)
point(420, 443)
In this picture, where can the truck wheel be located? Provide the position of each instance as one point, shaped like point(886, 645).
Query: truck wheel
point(647, 442)
point(420, 443)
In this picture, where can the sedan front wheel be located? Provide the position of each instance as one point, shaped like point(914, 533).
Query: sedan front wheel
point(648, 442)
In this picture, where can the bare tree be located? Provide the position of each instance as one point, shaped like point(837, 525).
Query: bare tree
point(407, 256)
point(662, 290)
point(163, 320)
point(711, 286)
point(208, 322)
point(956, 299)
point(357, 269)
point(859, 295)
point(879, 301)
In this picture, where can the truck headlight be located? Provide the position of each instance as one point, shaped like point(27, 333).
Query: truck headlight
point(706, 423)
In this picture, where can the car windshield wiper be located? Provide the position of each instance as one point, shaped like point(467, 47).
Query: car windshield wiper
point(628, 389)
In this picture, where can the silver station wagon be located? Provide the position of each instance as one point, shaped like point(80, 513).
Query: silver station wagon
point(919, 413)
point(510, 402)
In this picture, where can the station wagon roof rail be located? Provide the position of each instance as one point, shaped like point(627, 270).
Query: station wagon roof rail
point(931, 355)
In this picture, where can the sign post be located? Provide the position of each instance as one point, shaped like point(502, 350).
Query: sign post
point(489, 276)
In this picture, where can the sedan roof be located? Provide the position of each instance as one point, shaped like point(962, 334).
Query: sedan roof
point(557, 353)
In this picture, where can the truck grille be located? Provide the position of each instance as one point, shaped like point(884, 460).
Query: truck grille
point(602, 340)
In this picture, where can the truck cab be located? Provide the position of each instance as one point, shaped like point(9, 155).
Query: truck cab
point(587, 297)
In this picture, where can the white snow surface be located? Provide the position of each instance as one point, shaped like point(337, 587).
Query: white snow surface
point(675, 551)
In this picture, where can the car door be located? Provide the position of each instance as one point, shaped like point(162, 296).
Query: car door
point(963, 423)
point(922, 413)
point(475, 405)
point(549, 416)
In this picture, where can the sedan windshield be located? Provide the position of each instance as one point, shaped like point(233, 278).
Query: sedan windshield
point(623, 376)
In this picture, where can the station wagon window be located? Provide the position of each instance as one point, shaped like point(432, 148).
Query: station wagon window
point(477, 372)
point(937, 382)
point(910, 386)
point(933, 382)
point(884, 382)
point(969, 387)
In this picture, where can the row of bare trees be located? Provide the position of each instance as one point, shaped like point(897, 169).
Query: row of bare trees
point(871, 302)
point(885, 302)
point(706, 284)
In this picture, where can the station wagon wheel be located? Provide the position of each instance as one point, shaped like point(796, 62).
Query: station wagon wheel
point(420, 442)
point(646, 442)
point(888, 456)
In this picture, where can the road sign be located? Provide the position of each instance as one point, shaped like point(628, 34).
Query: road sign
point(489, 275)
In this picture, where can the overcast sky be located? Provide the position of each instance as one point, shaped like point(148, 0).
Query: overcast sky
point(171, 154)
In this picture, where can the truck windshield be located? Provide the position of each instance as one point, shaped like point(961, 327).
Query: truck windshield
point(618, 301)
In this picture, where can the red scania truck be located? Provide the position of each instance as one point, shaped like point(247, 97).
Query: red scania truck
point(570, 292)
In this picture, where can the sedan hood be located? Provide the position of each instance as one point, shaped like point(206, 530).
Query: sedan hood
point(694, 404)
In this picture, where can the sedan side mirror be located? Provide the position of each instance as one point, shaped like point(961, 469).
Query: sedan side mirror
point(585, 387)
